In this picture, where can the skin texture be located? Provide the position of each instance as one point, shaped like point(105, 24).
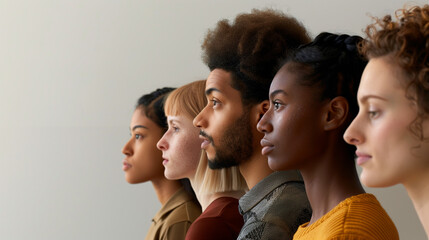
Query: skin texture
point(304, 132)
point(143, 161)
point(229, 130)
point(181, 148)
point(181, 152)
point(388, 152)
point(294, 112)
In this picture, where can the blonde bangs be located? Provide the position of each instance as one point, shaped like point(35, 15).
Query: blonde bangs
point(187, 100)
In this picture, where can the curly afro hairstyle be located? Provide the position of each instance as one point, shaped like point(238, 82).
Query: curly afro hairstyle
point(406, 42)
point(251, 48)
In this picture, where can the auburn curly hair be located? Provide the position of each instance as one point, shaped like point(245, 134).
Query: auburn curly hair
point(251, 48)
point(406, 42)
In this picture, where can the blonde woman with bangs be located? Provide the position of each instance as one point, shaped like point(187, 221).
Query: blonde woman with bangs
point(217, 191)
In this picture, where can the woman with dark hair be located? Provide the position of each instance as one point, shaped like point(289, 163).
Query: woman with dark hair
point(143, 162)
point(312, 101)
point(392, 128)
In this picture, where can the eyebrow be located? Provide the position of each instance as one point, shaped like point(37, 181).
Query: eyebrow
point(276, 92)
point(139, 126)
point(366, 97)
point(210, 90)
point(171, 121)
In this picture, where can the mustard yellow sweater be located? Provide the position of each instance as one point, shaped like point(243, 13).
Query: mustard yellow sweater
point(359, 217)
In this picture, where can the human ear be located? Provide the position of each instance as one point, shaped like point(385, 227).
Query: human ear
point(263, 108)
point(336, 113)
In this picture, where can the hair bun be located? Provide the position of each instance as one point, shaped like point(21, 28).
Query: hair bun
point(343, 41)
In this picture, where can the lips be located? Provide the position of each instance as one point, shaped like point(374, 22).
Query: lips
point(165, 161)
point(205, 143)
point(125, 165)
point(267, 147)
point(362, 158)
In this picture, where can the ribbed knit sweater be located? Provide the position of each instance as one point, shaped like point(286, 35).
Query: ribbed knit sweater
point(359, 217)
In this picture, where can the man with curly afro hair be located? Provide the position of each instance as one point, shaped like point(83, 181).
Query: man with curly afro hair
point(243, 57)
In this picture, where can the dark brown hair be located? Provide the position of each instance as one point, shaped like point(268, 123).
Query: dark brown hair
point(152, 105)
point(406, 42)
point(250, 49)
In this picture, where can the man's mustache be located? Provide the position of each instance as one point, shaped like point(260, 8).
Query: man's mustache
point(204, 134)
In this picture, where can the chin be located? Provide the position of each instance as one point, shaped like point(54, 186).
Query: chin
point(375, 181)
point(171, 175)
point(132, 180)
point(275, 165)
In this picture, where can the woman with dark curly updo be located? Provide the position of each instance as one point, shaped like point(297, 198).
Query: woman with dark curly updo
point(392, 128)
point(143, 162)
point(312, 101)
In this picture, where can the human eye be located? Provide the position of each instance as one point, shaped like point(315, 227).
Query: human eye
point(173, 128)
point(215, 102)
point(373, 112)
point(276, 104)
point(138, 136)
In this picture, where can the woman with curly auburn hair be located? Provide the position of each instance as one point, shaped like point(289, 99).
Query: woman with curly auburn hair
point(391, 131)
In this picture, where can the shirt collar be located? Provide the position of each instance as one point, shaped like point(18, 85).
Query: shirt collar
point(266, 186)
point(178, 198)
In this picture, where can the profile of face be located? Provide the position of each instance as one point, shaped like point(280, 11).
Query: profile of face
point(143, 161)
point(387, 150)
point(225, 125)
point(293, 125)
point(180, 148)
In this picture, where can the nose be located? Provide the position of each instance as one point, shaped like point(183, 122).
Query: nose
point(162, 143)
point(352, 135)
point(127, 149)
point(264, 125)
point(199, 121)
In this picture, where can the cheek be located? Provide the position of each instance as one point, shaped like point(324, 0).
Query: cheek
point(391, 136)
point(192, 148)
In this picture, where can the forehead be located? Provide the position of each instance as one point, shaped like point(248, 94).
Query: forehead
point(139, 118)
point(284, 77)
point(220, 81)
point(381, 75)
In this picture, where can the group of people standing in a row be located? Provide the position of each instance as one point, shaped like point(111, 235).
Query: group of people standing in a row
point(260, 150)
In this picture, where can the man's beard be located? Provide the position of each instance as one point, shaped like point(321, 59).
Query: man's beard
point(235, 146)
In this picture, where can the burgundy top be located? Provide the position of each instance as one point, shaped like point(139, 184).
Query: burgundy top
point(221, 220)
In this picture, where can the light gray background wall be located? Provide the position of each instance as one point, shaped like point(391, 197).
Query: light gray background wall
point(70, 73)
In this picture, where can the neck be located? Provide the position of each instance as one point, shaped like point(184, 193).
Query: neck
point(255, 169)
point(206, 199)
point(165, 189)
point(329, 180)
point(418, 190)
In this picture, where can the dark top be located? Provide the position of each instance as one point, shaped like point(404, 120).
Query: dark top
point(221, 220)
point(275, 207)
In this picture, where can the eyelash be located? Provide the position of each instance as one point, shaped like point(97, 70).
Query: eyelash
point(276, 105)
point(215, 102)
point(373, 114)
